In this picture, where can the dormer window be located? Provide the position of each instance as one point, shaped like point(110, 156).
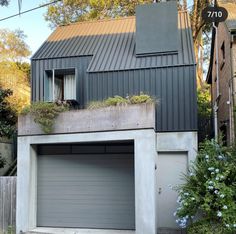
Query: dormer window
point(60, 84)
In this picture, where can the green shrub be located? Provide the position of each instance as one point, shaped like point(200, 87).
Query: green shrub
point(2, 161)
point(210, 188)
point(115, 101)
point(142, 98)
point(44, 114)
point(118, 100)
point(207, 227)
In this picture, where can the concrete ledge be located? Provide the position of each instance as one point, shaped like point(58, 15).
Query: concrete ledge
point(77, 231)
point(130, 117)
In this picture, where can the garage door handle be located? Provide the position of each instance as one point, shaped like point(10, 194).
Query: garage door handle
point(160, 190)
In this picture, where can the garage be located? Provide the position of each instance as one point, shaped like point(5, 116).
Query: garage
point(86, 186)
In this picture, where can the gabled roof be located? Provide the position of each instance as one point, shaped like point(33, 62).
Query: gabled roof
point(230, 6)
point(112, 45)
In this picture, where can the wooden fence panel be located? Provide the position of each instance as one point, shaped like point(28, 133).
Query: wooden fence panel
point(7, 205)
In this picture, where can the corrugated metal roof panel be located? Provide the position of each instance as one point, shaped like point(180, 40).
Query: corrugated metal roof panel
point(112, 44)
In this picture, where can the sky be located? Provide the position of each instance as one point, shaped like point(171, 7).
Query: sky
point(32, 23)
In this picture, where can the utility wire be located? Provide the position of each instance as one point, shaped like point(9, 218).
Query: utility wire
point(23, 12)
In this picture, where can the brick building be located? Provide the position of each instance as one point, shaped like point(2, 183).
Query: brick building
point(223, 88)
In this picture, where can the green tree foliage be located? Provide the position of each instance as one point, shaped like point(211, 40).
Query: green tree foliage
point(4, 2)
point(204, 113)
point(69, 11)
point(12, 46)
point(7, 114)
point(209, 193)
point(14, 70)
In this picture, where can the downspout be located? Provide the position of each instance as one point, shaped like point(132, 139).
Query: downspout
point(53, 85)
point(233, 85)
point(217, 84)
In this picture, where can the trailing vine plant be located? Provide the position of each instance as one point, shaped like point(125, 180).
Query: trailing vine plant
point(45, 113)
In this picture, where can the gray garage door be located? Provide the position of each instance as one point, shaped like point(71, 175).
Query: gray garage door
point(86, 186)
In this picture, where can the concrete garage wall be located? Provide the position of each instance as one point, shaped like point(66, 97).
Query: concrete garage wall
point(145, 182)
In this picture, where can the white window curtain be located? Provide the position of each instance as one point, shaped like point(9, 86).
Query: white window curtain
point(69, 87)
point(57, 89)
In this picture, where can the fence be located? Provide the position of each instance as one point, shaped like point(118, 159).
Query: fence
point(7, 205)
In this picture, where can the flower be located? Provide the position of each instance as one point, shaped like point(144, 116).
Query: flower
point(220, 157)
point(191, 174)
point(207, 157)
point(225, 207)
point(210, 187)
point(210, 182)
point(216, 191)
point(227, 225)
point(217, 170)
point(219, 214)
point(186, 194)
point(222, 195)
point(217, 178)
point(192, 198)
point(211, 169)
point(234, 225)
point(213, 173)
point(222, 177)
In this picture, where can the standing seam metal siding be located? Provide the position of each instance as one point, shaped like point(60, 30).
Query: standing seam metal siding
point(174, 87)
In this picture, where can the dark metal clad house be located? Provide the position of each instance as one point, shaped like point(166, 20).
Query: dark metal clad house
point(109, 170)
point(108, 58)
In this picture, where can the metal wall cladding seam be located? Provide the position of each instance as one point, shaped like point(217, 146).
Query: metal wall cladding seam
point(39, 68)
point(112, 44)
point(174, 88)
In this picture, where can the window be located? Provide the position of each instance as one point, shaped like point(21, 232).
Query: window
point(222, 55)
point(223, 50)
point(61, 84)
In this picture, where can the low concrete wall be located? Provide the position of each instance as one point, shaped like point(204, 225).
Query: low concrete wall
point(103, 119)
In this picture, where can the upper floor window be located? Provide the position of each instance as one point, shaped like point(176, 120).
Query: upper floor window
point(61, 84)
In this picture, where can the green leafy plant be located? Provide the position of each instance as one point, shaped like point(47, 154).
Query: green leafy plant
point(11, 230)
point(2, 161)
point(207, 227)
point(210, 188)
point(44, 113)
point(142, 98)
point(118, 100)
point(7, 114)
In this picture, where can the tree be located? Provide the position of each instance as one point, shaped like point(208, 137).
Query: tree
point(14, 70)
point(69, 11)
point(13, 46)
point(7, 114)
point(200, 32)
point(4, 2)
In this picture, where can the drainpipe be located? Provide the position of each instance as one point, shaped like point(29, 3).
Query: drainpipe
point(53, 85)
point(217, 84)
point(233, 85)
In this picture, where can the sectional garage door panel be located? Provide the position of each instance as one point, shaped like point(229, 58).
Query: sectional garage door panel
point(86, 191)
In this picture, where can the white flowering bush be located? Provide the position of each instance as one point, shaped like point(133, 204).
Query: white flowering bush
point(210, 189)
